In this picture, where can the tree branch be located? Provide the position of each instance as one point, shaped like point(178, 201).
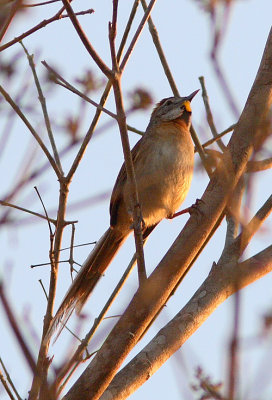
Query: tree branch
point(214, 291)
point(88, 46)
point(32, 130)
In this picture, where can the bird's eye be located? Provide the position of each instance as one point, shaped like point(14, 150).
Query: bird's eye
point(168, 103)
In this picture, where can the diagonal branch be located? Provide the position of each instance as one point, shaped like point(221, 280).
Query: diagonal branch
point(219, 285)
point(238, 246)
point(88, 46)
point(137, 34)
point(16, 330)
point(31, 129)
point(157, 43)
point(44, 107)
point(103, 98)
point(42, 24)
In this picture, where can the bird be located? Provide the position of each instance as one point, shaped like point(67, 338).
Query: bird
point(163, 161)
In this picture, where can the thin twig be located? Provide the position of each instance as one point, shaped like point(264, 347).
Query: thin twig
point(71, 257)
point(233, 368)
point(46, 215)
point(200, 151)
point(239, 245)
point(173, 86)
point(10, 380)
point(209, 113)
point(224, 85)
point(103, 99)
point(62, 82)
point(137, 34)
point(32, 130)
point(78, 245)
point(75, 360)
point(157, 43)
point(43, 288)
point(58, 79)
point(233, 218)
point(41, 25)
point(16, 330)
point(6, 387)
point(49, 263)
point(39, 382)
point(85, 41)
point(5, 203)
point(44, 108)
point(223, 133)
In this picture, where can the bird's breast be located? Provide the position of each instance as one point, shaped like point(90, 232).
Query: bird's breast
point(163, 174)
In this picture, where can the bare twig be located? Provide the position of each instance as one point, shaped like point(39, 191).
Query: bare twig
point(44, 108)
point(200, 151)
point(4, 203)
point(224, 85)
point(137, 34)
point(88, 46)
point(10, 380)
point(6, 386)
point(41, 25)
point(233, 218)
point(209, 114)
point(173, 85)
point(46, 214)
point(62, 82)
point(78, 245)
point(103, 98)
point(43, 288)
point(236, 249)
point(16, 330)
point(58, 79)
point(220, 135)
point(77, 356)
point(71, 256)
point(32, 130)
point(157, 43)
point(233, 367)
point(39, 382)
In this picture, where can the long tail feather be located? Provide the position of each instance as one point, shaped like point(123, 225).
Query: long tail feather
point(88, 276)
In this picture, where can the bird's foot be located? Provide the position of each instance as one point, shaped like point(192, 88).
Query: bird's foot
point(192, 209)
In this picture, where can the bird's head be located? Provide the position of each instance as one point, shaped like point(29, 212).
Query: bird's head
point(173, 108)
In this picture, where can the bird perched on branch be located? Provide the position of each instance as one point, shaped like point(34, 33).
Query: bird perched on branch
point(163, 161)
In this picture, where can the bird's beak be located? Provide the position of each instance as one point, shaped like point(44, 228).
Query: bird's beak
point(192, 95)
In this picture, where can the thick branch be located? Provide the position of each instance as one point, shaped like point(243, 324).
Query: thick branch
point(219, 285)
